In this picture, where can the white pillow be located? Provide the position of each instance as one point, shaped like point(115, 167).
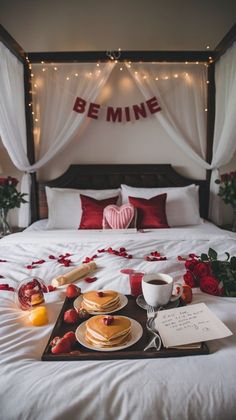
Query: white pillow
point(182, 204)
point(64, 205)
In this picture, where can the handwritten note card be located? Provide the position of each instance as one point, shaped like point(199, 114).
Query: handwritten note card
point(189, 324)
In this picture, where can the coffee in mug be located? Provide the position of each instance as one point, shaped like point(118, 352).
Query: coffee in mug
point(157, 289)
point(157, 281)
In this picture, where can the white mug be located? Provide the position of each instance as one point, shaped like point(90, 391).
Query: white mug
point(157, 289)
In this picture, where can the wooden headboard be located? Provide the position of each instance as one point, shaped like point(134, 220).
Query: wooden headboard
point(112, 176)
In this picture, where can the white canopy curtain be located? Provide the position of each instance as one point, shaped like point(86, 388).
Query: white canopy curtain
point(12, 107)
point(57, 121)
point(224, 145)
point(181, 91)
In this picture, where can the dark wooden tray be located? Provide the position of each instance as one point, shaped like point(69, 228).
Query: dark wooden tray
point(131, 310)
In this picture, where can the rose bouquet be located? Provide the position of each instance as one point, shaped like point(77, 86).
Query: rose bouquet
point(9, 199)
point(227, 188)
point(212, 275)
point(227, 191)
point(9, 196)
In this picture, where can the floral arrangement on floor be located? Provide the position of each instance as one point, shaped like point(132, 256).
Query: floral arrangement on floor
point(212, 275)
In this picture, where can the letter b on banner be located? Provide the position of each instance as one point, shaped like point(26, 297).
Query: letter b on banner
point(79, 105)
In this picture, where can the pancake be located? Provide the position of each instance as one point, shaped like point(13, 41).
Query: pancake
point(117, 333)
point(100, 301)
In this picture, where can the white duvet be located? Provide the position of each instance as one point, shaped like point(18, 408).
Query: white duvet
point(194, 387)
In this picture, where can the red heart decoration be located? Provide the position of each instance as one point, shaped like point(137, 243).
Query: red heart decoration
point(118, 217)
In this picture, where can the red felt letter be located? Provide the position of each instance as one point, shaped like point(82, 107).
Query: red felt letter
point(127, 113)
point(114, 114)
point(79, 105)
point(93, 110)
point(139, 110)
point(153, 105)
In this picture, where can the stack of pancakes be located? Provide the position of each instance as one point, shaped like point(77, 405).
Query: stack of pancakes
point(97, 301)
point(100, 335)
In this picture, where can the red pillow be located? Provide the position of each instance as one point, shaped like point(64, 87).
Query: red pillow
point(92, 211)
point(150, 213)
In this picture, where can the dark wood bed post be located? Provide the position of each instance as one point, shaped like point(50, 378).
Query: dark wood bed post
point(18, 51)
point(30, 140)
point(210, 120)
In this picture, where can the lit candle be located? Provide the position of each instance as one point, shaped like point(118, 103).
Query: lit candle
point(38, 316)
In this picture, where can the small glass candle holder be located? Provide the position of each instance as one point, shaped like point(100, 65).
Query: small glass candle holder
point(29, 293)
point(135, 280)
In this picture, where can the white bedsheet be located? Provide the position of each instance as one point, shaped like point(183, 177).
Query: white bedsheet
point(194, 387)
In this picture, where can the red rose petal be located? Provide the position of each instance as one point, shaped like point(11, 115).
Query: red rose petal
point(90, 279)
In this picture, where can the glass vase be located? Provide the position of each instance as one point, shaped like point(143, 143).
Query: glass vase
point(4, 225)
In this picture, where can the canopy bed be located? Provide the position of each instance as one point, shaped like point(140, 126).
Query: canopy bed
point(192, 386)
point(157, 386)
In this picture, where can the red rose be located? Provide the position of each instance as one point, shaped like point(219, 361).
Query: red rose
point(190, 264)
point(189, 279)
point(232, 175)
point(202, 269)
point(12, 181)
point(224, 178)
point(3, 181)
point(210, 284)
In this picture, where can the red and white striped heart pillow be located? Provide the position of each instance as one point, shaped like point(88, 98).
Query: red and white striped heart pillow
point(115, 217)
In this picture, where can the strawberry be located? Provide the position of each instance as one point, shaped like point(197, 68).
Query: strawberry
point(72, 291)
point(71, 336)
point(54, 341)
point(71, 316)
point(63, 345)
point(108, 320)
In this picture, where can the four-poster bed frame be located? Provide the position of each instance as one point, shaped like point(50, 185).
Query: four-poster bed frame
point(209, 57)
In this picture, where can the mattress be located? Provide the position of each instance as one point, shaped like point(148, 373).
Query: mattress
point(192, 387)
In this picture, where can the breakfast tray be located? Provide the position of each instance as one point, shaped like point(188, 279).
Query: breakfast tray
point(131, 310)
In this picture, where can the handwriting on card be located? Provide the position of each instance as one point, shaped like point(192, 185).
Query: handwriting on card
point(189, 324)
point(184, 320)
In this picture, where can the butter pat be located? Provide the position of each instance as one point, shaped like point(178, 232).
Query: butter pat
point(74, 275)
point(38, 316)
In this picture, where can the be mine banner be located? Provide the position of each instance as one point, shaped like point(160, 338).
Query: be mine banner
point(118, 114)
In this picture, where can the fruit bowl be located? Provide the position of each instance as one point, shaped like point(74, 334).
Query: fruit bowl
point(29, 293)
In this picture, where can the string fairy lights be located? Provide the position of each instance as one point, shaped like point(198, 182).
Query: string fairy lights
point(113, 56)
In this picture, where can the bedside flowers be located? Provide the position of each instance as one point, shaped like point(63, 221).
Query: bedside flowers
point(227, 191)
point(212, 275)
point(9, 196)
point(9, 199)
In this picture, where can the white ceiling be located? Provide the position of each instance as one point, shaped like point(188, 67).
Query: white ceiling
point(77, 25)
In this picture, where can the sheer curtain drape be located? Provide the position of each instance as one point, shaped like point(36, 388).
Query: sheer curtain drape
point(12, 107)
point(57, 88)
point(224, 145)
point(181, 90)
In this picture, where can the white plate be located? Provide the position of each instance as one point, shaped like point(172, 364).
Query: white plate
point(123, 302)
point(136, 334)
